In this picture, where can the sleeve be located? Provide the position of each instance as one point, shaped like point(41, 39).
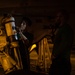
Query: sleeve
point(30, 37)
point(64, 44)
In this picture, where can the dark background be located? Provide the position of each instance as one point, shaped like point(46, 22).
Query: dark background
point(38, 11)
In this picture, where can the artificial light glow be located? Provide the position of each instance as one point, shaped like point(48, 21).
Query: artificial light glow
point(32, 47)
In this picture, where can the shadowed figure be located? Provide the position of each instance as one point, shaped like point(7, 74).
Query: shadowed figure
point(62, 45)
